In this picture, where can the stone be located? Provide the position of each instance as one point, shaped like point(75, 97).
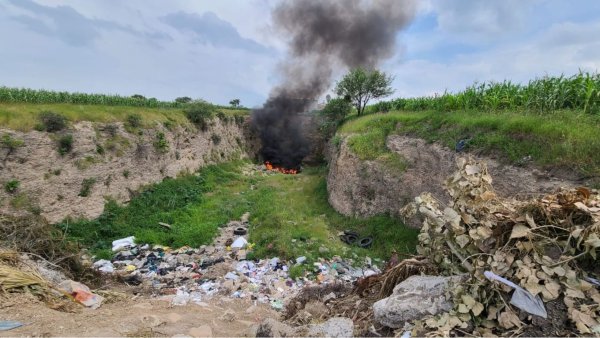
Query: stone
point(201, 331)
point(334, 327)
point(414, 298)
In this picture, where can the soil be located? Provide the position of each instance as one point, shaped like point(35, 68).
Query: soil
point(136, 316)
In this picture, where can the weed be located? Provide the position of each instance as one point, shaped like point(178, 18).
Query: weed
point(99, 149)
point(86, 162)
point(65, 144)
point(297, 271)
point(52, 122)
point(86, 186)
point(56, 172)
point(216, 139)
point(126, 173)
point(11, 186)
point(10, 143)
point(161, 144)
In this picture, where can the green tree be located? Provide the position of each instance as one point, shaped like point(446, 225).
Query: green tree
point(333, 115)
point(361, 85)
point(235, 103)
point(183, 99)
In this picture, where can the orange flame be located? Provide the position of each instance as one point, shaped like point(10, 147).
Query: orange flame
point(282, 170)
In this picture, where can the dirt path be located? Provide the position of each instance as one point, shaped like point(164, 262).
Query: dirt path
point(143, 316)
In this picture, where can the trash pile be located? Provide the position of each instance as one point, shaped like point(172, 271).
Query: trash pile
point(193, 275)
point(543, 250)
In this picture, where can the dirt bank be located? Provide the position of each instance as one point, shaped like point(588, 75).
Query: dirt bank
point(365, 188)
point(109, 162)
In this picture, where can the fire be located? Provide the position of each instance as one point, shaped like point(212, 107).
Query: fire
point(271, 166)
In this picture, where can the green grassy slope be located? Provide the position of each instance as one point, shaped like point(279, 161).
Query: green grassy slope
point(565, 138)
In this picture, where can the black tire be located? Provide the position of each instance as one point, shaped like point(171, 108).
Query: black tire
point(365, 242)
point(239, 231)
point(351, 232)
point(349, 239)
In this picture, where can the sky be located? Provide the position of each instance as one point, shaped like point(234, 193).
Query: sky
point(221, 50)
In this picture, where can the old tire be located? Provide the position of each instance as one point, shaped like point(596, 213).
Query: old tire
point(240, 231)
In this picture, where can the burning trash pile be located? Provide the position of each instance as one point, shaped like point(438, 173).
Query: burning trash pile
point(543, 250)
point(193, 275)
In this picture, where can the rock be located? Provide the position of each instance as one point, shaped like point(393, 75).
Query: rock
point(334, 327)
point(414, 298)
point(273, 328)
point(201, 331)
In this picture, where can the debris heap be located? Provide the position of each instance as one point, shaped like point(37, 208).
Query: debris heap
point(547, 246)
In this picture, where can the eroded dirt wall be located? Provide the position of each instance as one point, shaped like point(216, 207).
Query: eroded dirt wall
point(112, 161)
point(365, 188)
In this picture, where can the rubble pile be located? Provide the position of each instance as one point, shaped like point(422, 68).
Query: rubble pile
point(195, 274)
point(543, 250)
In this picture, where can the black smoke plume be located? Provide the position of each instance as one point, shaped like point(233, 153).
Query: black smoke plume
point(324, 36)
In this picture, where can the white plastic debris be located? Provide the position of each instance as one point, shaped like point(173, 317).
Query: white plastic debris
point(521, 298)
point(300, 260)
point(239, 243)
point(231, 276)
point(123, 243)
point(181, 298)
point(104, 265)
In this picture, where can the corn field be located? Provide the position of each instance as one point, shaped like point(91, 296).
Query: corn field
point(578, 92)
point(26, 95)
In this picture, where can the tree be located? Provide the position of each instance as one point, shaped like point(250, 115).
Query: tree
point(183, 99)
point(234, 103)
point(361, 85)
point(333, 115)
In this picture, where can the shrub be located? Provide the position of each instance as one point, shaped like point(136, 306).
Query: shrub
point(65, 144)
point(216, 139)
point(161, 144)
point(134, 120)
point(86, 187)
point(200, 113)
point(52, 122)
point(111, 129)
point(138, 97)
point(11, 186)
point(333, 114)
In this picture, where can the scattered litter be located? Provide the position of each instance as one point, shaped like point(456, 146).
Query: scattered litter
point(6, 325)
point(300, 260)
point(123, 243)
point(81, 293)
point(277, 304)
point(104, 265)
point(168, 226)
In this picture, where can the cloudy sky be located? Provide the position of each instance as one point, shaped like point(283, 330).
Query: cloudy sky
point(220, 50)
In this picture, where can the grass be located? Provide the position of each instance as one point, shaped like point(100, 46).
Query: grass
point(563, 138)
point(290, 215)
point(24, 116)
